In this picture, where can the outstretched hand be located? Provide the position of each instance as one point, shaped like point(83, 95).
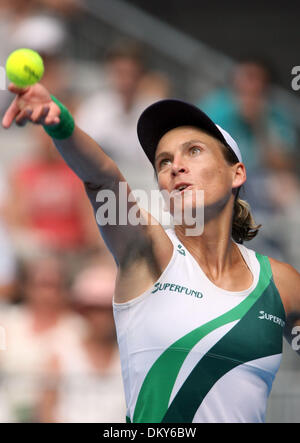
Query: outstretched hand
point(33, 104)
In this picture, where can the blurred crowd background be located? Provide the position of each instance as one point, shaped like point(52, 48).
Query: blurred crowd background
point(107, 60)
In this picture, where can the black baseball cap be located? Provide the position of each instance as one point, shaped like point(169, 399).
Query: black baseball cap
point(164, 115)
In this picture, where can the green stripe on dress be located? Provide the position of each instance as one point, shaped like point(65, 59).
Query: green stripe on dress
point(250, 339)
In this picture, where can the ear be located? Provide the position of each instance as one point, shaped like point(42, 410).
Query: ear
point(239, 175)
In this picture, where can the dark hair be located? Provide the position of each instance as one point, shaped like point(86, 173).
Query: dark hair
point(262, 62)
point(128, 49)
point(244, 227)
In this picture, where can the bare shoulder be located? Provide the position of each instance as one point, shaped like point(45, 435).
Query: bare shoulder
point(284, 272)
point(287, 281)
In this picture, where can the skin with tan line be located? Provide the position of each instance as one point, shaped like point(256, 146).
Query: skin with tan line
point(185, 155)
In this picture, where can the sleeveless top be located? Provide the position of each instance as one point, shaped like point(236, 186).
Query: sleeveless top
point(192, 352)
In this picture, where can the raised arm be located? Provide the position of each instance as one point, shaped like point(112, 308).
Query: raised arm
point(99, 173)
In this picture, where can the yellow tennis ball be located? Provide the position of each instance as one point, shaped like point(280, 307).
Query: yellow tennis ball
point(24, 67)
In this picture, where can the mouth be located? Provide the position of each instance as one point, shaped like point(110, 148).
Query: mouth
point(181, 187)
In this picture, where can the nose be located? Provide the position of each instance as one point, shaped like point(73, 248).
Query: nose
point(178, 167)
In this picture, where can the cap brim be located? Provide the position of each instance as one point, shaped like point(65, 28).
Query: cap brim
point(164, 115)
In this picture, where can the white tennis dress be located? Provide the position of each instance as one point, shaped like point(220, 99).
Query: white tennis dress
point(193, 352)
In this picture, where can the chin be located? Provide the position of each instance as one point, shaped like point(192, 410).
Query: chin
point(188, 209)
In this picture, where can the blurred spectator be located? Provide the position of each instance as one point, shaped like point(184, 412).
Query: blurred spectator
point(48, 36)
point(29, 25)
point(154, 85)
point(281, 234)
point(32, 330)
point(86, 379)
point(17, 8)
point(264, 130)
point(7, 255)
point(65, 7)
point(48, 207)
point(42, 33)
point(110, 115)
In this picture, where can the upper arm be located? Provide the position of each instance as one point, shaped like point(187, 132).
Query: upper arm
point(130, 233)
point(287, 281)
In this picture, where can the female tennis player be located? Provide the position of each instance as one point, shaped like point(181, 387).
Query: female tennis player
point(199, 319)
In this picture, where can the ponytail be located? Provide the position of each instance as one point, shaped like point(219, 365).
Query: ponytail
point(244, 227)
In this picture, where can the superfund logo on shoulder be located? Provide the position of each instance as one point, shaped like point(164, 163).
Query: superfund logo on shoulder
point(172, 287)
point(264, 316)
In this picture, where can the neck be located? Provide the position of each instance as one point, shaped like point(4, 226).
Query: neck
point(214, 249)
point(128, 101)
point(44, 318)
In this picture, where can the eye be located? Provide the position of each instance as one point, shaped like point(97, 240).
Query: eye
point(195, 150)
point(164, 162)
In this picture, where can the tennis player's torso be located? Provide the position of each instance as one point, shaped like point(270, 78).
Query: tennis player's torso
point(192, 352)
